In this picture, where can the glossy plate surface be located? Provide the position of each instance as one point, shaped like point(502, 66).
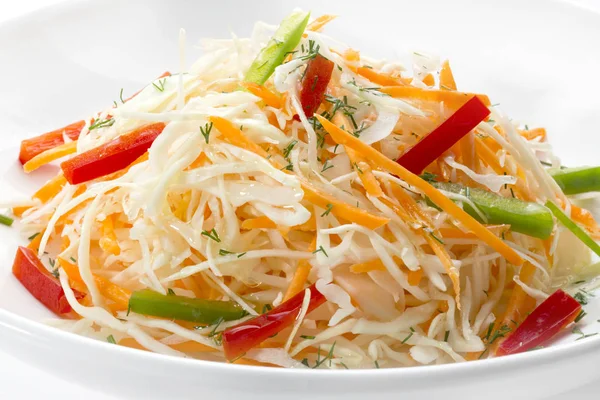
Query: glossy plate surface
point(65, 62)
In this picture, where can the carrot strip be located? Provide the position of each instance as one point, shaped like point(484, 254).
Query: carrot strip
point(446, 77)
point(413, 277)
point(364, 173)
point(432, 237)
point(520, 303)
point(451, 99)
point(308, 226)
point(340, 209)
point(50, 155)
point(368, 266)
point(108, 242)
point(585, 218)
point(45, 193)
point(270, 98)
point(258, 223)
point(488, 156)
point(455, 233)
point(111, 291)
point(198, 162)
point(531, 134)
point(379, 77)
point(301, 274)
point(320, 22)
point(428, 80)
point(377, 159)
point(35, 242)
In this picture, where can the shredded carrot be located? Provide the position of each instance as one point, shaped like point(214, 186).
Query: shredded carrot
point(111, 291)
point(108, 241)
point(433, 237)
point(199, 161)
point(186, 347)
point(352, 55)
point(270, 98)
point(467, 150)
point(520, 303)
point(429, 80)
point(50, 155)
point(35, 242)
point(45, 193)
point(308, 226)
point(368, 266)
point(192, 347)
point(379, 77)
point(340, 209)
point(413, 277)
point(258, 223)
point(364, 173)
point(451, 99)
point(535, 133)
point(377, 159)
point(446, 77)
point(455, 233)
point(190, 284)
point(320, 22)
point(585, 218)
point(301, 274)
point(400, 211)
point(488, 156)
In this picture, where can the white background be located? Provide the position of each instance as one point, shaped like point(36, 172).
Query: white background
point(20, 381)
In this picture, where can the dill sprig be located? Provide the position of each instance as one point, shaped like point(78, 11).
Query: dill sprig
point(102, 123)
point(212, 234)
point(289, 148)
point(326, 166)
point(205, 130)
point(328, 210)
point(313, 51)
point(322, 250)
point(374, 90)
point(161, 85)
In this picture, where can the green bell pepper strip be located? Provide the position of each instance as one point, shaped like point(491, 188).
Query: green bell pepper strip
point(284, 41)
point(528, 218)
point(573, 227)
point(149, 302)
point(577, 180)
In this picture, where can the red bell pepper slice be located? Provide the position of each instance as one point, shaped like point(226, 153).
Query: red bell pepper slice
point(28, 269)
point(36, 145)
point(314, 84)
point(238, 339)
point(556, 312)
point(444, 136)
point(112, 156)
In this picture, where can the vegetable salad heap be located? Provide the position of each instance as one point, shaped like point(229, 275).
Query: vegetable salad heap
point(287, 201)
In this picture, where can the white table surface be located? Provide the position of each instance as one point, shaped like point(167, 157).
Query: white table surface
point(21, 381)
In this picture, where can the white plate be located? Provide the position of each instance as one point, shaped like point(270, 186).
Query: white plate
point(536, 58)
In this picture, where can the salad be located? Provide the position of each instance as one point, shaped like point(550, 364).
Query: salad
point(288, 201)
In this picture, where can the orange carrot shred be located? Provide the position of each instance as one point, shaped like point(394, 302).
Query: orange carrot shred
point(320, 22)
point(450, 99)
point(117, 294)
point(270, 98)
point(50, 155)
point(446, 77)
point(301, 274)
